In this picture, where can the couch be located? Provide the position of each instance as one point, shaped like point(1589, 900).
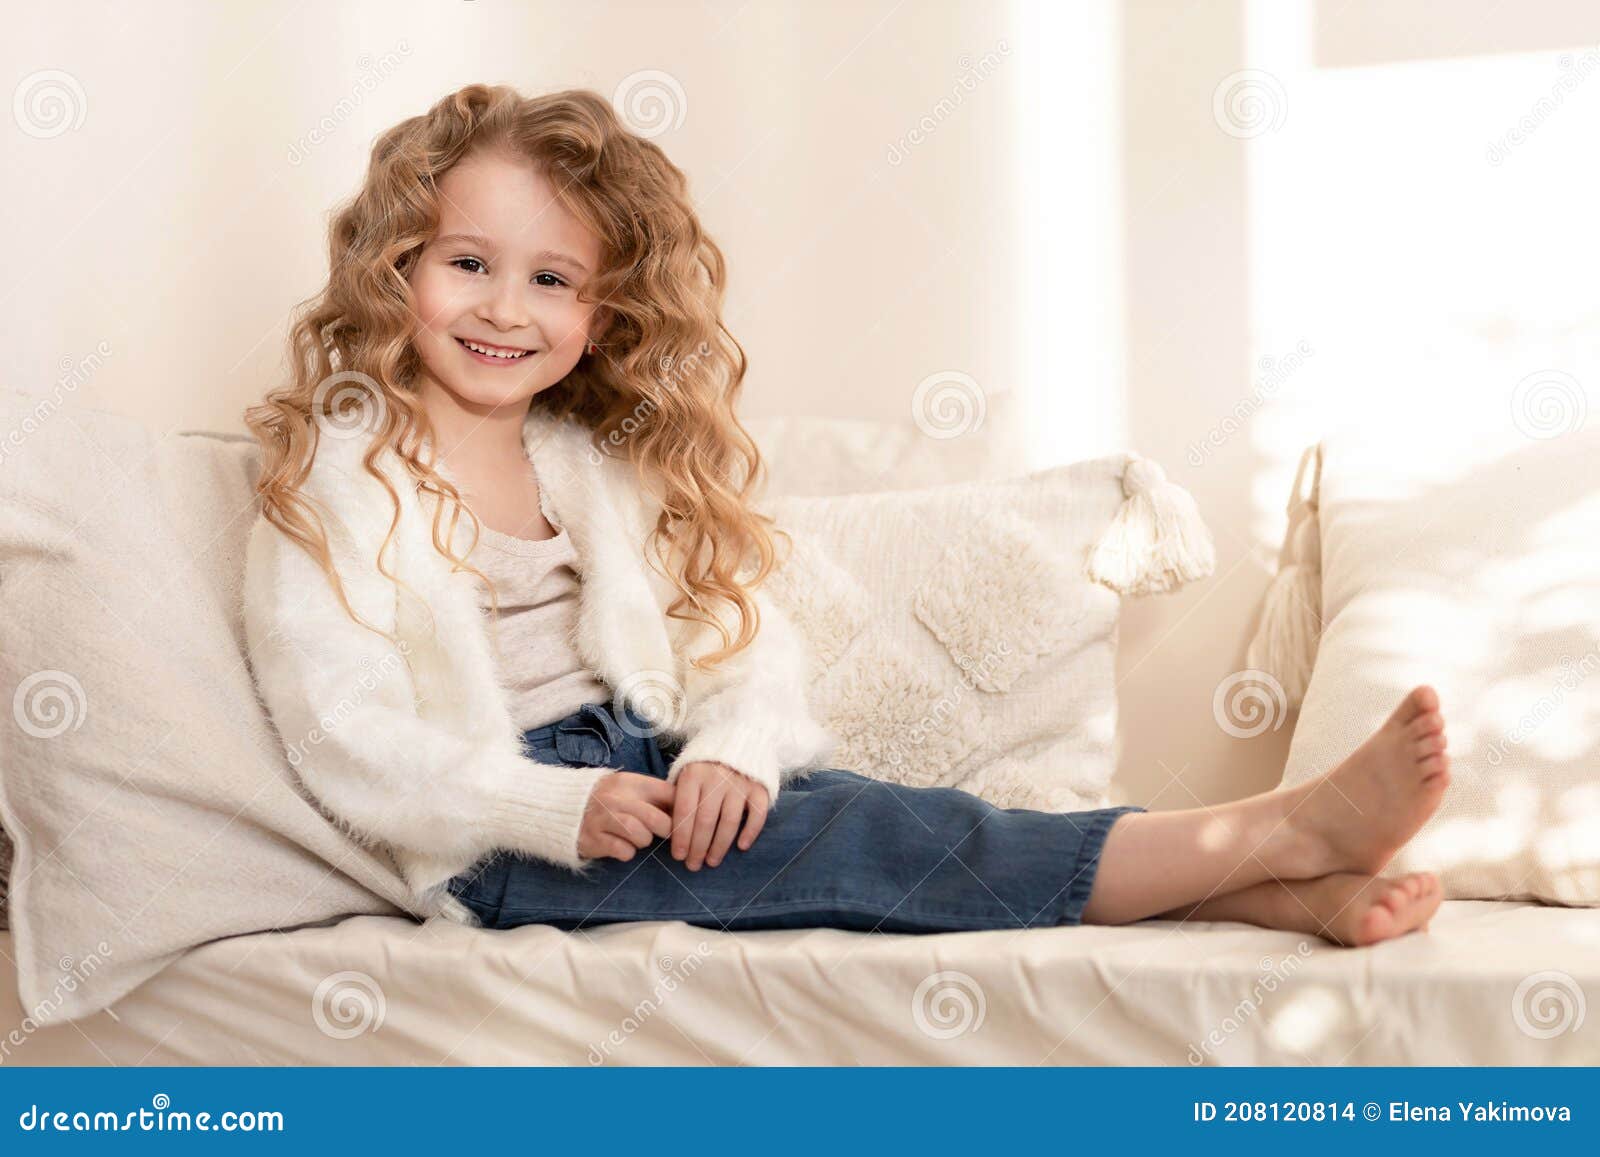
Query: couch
point(1492, 982)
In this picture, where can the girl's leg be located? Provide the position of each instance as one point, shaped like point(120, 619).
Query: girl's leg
point(838, 851)
point(1353, 819)
point(1347, 907)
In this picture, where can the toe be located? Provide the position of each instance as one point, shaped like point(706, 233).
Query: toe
point(1376, 923)
point(1431, 745)
point(1422, 700)
point(1408, 709)
point(1428, 723)
point(1435, 769)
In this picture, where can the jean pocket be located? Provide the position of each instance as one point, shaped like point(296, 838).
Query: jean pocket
point(589, 737)
point(582, 749)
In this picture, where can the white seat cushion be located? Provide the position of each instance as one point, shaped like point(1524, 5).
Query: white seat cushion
point(1490, 984)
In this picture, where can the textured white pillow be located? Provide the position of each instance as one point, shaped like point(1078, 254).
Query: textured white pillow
point(958, 638)
point(1468, 561)
point(148, 797)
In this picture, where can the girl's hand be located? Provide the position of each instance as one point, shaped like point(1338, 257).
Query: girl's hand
point(626, 811)
point(712, 799)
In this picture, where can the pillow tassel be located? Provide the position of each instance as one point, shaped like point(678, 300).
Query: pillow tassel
point(1285, 642)
point(1158, 541)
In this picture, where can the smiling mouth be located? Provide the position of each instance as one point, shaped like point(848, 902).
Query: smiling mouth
point(500, 353)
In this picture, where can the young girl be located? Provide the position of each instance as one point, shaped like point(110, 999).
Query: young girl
point(502, 602)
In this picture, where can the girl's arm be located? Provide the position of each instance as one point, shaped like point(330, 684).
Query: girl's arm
point(344, 703)
point(752, 714)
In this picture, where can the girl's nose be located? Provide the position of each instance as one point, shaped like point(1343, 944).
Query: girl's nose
point(505, 307)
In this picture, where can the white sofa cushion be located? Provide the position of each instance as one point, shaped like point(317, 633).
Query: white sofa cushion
point(1466, 560)
point(961, 436)
point(139, 770)
point(959, 638)
point(1490, 984)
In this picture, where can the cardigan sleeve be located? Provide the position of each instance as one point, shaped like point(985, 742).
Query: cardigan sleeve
point(344, 702)
point(752, 714)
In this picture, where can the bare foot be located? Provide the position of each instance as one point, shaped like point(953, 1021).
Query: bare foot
point(1352, 909)
point(1357, 816)
point(1346, 907)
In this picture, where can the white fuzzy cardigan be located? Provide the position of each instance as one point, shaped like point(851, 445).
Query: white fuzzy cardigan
point(413, 747)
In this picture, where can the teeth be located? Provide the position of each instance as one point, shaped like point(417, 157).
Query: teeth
point(493, 353)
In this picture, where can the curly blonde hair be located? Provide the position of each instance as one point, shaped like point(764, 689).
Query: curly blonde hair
point(660, 285)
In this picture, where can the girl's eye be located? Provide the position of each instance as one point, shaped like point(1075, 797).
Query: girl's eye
point(459, 263)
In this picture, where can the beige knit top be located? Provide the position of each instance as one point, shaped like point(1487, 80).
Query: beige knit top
point(537, 586)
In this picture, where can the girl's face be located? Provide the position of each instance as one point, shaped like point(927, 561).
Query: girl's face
point(502, 271)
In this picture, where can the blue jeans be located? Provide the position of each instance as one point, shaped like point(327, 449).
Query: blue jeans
point(838, 850)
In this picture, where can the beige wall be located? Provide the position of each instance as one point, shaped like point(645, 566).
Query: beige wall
point(185, 215)
point(1061, 202)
